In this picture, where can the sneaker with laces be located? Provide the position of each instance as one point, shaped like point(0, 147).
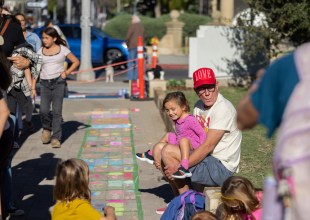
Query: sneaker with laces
point(55, 143)
point(46, 136)
point(15, 212)
point(145, 157)
point(182, 173)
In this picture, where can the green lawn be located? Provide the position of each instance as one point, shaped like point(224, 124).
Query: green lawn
point(256, 149)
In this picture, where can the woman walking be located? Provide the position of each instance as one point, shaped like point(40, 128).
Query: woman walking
point(52, 81)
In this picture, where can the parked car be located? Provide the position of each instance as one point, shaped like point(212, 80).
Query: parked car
point(103, 47)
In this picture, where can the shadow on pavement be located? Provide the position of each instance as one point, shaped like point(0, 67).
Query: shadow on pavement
point(70, 127)
point(33, 182)
point(163, 191)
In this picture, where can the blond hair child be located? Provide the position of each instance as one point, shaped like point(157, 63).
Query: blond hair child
point(240, 200)
point(73, 194)
point(204, 215)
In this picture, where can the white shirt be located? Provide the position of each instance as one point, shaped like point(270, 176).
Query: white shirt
point(222, 116)
point(53, 65)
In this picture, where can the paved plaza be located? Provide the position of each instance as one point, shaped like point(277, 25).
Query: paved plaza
point(106, 133)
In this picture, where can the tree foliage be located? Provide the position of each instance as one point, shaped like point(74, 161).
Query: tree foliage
point(290, 19)
point(285, 22)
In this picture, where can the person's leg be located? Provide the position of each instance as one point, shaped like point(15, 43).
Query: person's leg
point(210, 172)
point(185, 148)
point(45, 104)
point(28, 114)
point(131, 64)
point(135, 69)
point(20, 125)
point(6, 143)
point(57, 102)
point(171, 157)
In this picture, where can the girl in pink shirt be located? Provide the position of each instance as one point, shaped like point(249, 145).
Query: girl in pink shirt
point(188, 135)
point(240, 200)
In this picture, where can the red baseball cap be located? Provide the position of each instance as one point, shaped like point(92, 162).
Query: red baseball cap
point(203, 76)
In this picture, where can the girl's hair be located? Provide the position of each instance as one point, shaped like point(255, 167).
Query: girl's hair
point(238, 190)
point(5, 74)
point(71, 181)
point(54, 34)
point(204, 215)
point(179, 98)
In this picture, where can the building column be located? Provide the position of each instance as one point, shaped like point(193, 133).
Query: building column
point(227, 11)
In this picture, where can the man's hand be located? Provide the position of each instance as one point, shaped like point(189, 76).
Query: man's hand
point(171, 169)
point(19, 62)
point(157, 165)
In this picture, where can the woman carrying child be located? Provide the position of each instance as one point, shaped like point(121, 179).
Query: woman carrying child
point(73, 194)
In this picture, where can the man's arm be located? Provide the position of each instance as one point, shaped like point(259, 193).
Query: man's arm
point(213, 138)
point(247, 115)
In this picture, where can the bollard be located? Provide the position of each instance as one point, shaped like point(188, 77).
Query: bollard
point(140, 67)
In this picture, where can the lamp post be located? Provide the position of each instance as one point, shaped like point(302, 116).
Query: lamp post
point(86, 66)
point(69, 7)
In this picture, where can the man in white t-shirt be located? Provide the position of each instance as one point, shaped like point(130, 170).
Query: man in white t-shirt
point(218, 157)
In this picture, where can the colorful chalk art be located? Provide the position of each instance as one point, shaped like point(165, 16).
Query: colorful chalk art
point(108, 150)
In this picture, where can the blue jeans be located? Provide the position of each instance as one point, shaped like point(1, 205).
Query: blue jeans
point(132, 71)
point(52, 95)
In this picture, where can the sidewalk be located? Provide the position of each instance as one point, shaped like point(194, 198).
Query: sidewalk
point(105, 130)
point(136, 191)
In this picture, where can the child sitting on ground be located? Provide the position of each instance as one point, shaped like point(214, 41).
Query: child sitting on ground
point(189, 134)
point(73, 194)
point(240, 200)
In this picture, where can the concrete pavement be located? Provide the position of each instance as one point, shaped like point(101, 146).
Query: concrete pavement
point(88, 118)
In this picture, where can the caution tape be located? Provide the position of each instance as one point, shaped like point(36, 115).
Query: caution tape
point(101, 67)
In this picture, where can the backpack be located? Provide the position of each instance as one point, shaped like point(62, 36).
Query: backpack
point(184, 206)
point(291, 161)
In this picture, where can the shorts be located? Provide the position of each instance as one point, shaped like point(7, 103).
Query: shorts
point(210, 172)
point(172, 139)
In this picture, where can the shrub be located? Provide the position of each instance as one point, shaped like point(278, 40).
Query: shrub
point(117, 26)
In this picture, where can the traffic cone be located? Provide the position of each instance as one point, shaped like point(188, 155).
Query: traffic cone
point(154, 54)
point(140, 68)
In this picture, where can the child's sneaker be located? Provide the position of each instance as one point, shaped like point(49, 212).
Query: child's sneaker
point(161, 210)
point(145, 157)
point(182, 173)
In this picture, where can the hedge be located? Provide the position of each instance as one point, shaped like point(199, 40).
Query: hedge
point(117, 26)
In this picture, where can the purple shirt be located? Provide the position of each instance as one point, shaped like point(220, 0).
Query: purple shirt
point(190, 128)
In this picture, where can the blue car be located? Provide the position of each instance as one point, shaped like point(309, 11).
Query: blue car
point(103, 47)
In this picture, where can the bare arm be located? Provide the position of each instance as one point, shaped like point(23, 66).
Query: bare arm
point(75, 63)
point(213, 138)
point(247, 115)
point(109, 212)
point(4, 114)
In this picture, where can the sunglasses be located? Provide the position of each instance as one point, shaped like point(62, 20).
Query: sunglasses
point(204, 89)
